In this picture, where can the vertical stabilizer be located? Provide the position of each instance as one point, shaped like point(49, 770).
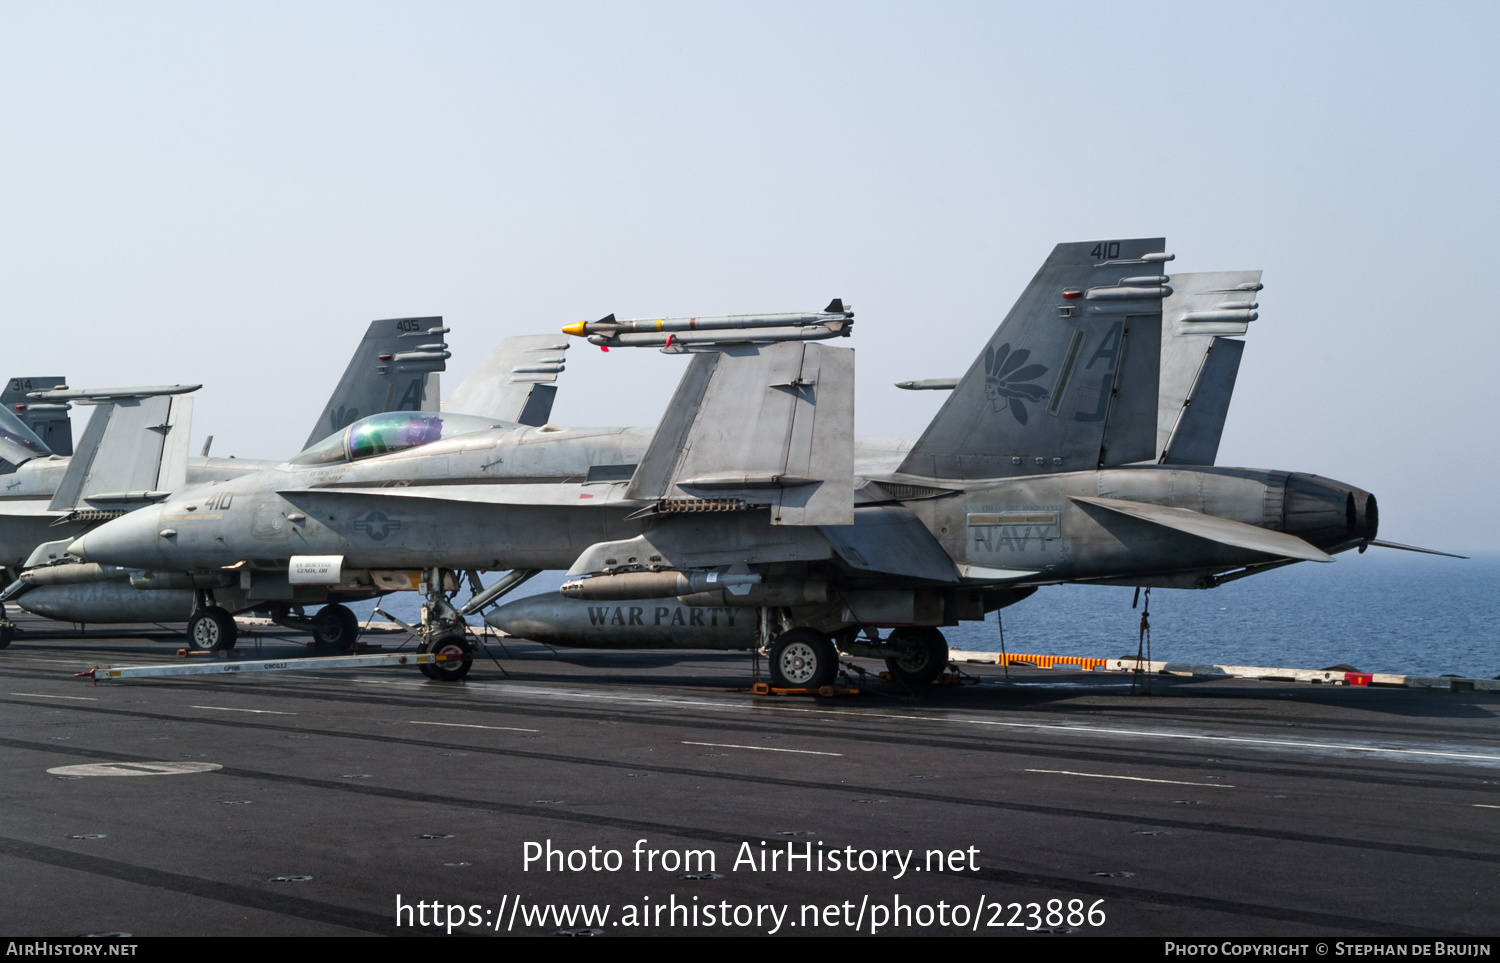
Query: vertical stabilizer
point(134, 451)
point(515, 383)
point(1069, 381)
point(769, 425)
point(18, 443)
point(1200, 360)
point(48, 420)
point(395, 368)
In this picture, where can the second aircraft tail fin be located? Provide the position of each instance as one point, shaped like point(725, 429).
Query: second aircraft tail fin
point(47, 419)
point(515, 383)
point(765, 425)
point(134, 451)
point(1069, 380)
point(1200, 359)
point(395, 368)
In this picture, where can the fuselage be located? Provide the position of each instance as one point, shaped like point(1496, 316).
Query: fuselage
point(539, 497)
point(26, 520)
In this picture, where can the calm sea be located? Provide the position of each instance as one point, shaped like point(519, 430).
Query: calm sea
point(1384, 611)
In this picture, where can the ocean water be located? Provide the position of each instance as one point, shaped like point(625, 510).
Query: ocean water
point(1383, 611)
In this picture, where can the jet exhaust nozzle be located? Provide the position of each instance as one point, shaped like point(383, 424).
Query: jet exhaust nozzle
point(1328, 513)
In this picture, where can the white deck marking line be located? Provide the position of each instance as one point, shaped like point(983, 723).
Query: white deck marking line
point(730, 745)
point(1100, 775)
point(43, 695)
point(468, 725)
point(855, 715)
point(135, 769)
point(1486, 806)
point(265, 712)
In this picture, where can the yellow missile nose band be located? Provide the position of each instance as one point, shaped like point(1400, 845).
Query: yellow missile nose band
point(576, 328)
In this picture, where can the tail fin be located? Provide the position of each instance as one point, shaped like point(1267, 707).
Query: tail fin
point(515, 382)
point(765, 425)
point(48, 420)
point(18, 443)
point(1069, 381)
point(394, 369)
point(133, 451)
point(1199, 361)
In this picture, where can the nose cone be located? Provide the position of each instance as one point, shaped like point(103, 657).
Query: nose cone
point(137, 540)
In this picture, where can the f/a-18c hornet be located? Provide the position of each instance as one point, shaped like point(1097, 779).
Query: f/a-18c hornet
point(511, 386)
point(1042, 467)
point(135, 452)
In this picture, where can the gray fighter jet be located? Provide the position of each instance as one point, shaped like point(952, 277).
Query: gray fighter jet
point(514, 381)
point(1042, 467)
point(134, 451)
point(1200, 358)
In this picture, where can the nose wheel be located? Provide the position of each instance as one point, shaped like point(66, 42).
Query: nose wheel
point(459, 658)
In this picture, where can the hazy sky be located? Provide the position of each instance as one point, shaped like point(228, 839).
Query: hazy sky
point(228, 193)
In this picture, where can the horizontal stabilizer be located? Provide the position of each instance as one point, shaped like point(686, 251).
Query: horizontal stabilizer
point(1382, 543)
point(1222, 530)
point(772, 425)
point(515, 382)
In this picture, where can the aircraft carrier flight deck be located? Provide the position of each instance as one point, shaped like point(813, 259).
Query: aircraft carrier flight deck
point(635, 793)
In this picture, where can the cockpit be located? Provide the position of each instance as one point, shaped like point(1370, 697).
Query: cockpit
point(393, 431)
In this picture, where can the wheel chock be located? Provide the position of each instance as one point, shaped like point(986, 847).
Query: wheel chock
point(827, 691)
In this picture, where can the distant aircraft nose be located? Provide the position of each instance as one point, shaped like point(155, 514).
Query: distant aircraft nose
point(134, 540)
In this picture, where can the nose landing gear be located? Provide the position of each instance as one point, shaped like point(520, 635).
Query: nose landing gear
point(443, 632)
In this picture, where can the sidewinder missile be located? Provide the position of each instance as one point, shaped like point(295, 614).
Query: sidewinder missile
point(834, 321)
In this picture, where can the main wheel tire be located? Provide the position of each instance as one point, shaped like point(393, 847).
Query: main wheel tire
point(448, 671)
point(803, 659)
point(335, 628)
point(212, 629)
point(7, 633)
point(921, 655)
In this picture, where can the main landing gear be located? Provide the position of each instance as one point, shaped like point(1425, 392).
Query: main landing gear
point(803, 658)
point(7, 628)
point(921, 654)
point(335, 628)
point(212, 629)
